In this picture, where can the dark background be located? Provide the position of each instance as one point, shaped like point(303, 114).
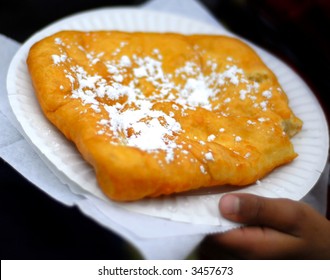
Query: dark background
point(34, 226)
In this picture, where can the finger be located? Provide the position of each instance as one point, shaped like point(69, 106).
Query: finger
point(281, 214)
point(258, 243)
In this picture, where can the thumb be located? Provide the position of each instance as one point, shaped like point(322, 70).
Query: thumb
point(281, 214)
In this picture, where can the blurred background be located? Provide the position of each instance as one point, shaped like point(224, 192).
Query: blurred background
point(33, 226)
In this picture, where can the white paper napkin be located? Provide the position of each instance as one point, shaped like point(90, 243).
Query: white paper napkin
point(165, 239)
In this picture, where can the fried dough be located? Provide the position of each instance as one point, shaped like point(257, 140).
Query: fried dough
point(162, 113)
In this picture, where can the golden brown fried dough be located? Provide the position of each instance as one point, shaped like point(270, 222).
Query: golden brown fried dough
point(157, 114)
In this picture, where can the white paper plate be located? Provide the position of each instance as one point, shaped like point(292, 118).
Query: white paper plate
point(290, 181)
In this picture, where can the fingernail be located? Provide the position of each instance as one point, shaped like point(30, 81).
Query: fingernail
point(229, 204)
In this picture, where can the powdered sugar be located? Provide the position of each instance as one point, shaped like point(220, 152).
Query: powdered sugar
point(149, 134)
point(57, 59)
point(132, 117)
point(209, 156)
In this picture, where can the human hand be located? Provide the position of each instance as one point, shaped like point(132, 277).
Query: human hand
point(276, 229)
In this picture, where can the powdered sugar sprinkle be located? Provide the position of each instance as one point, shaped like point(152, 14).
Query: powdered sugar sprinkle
point(132, 116)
